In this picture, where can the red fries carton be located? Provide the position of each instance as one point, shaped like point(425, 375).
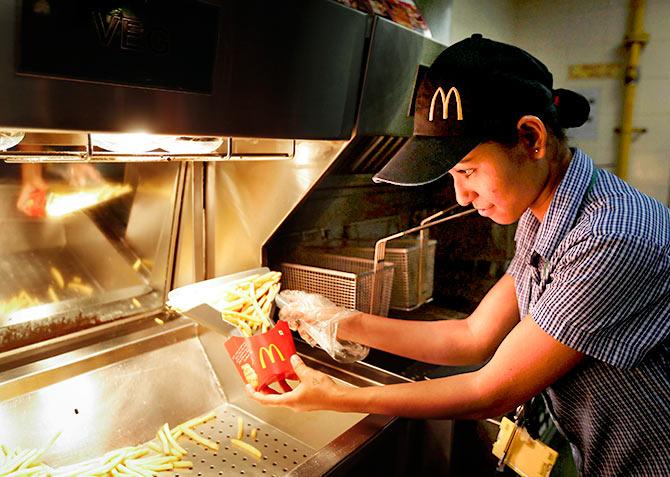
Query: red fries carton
point(35, 204)
point(263, 359)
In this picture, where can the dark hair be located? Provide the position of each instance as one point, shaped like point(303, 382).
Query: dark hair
point(568, 110)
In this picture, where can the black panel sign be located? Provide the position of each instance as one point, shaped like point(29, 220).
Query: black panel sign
point(148, 43)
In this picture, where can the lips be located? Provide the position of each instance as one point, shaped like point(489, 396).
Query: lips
point(483, 211)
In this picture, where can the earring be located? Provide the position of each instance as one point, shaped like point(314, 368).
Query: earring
point(537, 150)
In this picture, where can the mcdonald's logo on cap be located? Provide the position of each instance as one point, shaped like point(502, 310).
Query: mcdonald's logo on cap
point(270, 352)
point(445, 103)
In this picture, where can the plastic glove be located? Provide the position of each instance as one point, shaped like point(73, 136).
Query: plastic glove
point(316, 318)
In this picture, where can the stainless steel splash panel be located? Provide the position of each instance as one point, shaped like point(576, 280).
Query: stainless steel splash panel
point(246, 203)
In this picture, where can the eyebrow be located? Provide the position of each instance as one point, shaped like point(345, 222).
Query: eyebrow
point(462, 161)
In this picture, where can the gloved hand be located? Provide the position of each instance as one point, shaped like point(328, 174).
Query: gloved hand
point(316, 318)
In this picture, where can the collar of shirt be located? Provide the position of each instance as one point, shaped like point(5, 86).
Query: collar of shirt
point(562, 211)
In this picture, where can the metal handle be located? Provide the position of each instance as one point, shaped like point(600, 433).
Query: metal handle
point(423, 241)
point(380, 245)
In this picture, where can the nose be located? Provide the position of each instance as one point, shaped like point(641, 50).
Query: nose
point(464, 194)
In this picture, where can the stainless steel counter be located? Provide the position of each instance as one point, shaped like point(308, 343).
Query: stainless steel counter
point(118, 392)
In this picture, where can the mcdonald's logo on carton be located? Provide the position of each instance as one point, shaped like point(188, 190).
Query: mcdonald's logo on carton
point(269, 351)
point(264, 358)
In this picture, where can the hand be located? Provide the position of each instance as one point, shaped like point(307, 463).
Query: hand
point(80, 175)
point(31, 200)
point(305, 312)
point(317, 319)
point(316, 391)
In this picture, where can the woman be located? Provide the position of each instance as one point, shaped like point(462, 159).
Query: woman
point(582, 311)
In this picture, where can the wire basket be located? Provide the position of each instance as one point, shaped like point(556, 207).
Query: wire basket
point(346, 281)
point(405, 254)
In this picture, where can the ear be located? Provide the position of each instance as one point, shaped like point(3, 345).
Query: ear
point(532, 136)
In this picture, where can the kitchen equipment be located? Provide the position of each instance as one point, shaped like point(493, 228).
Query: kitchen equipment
point(121, 390)
point(196, 300)
point(111, 368)
point(346, 281)
point(210, 318)
point(407, 257)
point(380, 246)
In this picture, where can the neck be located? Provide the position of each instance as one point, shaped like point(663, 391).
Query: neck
point(557, 167)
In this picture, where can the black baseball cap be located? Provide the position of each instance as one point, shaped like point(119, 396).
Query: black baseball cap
point(470, 89)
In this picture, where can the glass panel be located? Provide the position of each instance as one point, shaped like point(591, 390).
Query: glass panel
point(82, 244)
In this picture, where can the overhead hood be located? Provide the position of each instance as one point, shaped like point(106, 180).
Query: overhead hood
point(253, 200)
point(336, 82)
point(245, 68)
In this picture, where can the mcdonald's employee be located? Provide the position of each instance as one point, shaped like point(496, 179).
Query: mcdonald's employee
point(583, 312)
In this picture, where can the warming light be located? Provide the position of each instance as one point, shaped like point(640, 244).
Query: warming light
point(9, 139)
point(130, 143)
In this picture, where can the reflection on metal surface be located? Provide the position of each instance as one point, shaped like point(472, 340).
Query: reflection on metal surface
point(190, 144)
point(59, 204)
point(85, 267)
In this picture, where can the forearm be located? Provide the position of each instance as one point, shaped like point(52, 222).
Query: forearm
point(455, 397)
point(510, 378)
point(440, 342)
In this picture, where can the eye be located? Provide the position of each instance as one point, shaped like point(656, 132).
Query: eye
point(466, 172)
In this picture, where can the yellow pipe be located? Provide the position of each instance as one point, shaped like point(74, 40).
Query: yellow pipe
point(635, 40)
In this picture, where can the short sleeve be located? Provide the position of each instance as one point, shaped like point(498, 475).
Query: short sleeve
point(608, 297)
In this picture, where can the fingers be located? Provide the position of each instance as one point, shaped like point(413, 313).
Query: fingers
point(273, 398)
point(304, 334)
point(300, 368)
point(290, 313)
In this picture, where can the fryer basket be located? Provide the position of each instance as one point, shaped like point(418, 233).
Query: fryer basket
point(346, 281)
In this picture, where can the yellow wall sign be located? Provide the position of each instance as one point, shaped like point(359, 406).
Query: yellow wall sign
point(595, 71)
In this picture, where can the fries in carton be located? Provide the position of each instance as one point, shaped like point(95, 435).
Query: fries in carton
point(240, 306)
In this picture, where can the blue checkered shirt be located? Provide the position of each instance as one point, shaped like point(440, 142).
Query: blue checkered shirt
point(595, 275)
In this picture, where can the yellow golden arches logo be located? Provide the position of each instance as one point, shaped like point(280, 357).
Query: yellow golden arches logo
point(445, 103)
point(270, 352)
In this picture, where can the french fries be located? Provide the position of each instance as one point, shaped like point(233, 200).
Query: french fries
point(80, 288)
point(246, 303)
point(243, 445)
point(58, 277)
point(136, 461)
point(246, 447)
point(21, 300)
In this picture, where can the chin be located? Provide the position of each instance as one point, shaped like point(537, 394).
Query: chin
point(502, 219)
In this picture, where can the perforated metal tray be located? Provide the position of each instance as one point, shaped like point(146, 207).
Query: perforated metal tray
point(281, 452)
